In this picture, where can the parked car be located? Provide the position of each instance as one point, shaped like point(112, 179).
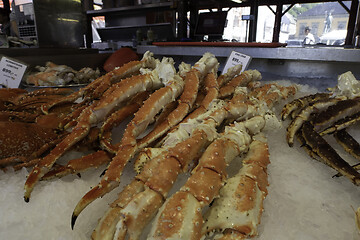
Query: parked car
point(294, 42)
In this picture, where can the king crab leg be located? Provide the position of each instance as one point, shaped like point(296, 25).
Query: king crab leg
point(336, 112)
point(100, 85)
point(240, 81)
point(77, 165)
point(116, 118)
point(94, 114)
point(290, 108)
point(348, 143)
point(328, 155)
point(129, 145)
point(304, 115)
point(155, 180)
point(180, 217)
point(237, 212)
point(342, 123)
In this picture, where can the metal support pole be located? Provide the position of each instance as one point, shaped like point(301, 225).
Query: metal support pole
point(88, 5)
point(182, 25)
point(193, 18)
point(253, 24)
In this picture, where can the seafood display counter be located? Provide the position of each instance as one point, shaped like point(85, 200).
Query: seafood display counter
point(275, 62)
point(214, 177)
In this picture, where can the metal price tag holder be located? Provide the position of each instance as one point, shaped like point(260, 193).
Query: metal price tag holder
point(11, 72)
point(237, 58)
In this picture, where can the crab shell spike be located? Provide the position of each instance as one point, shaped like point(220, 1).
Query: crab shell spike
point(169, 169)
point(144, 156)
point(204, 185)
point(239, 207)
point(185, 151)
point(169, 224)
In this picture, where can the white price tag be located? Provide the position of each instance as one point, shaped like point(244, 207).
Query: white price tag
point(237, 58)
point(11, 72)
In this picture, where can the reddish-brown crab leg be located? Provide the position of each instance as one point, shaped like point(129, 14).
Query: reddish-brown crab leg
point(116, 118)
point(165, 166)
point(240, 81)
point(155, 180)
point(149, 177)
point(129, 145)
point(230, 74)
point(180, 217)
point(96, 113)
point(99, 86)
point(214, 119)
point(75, 166)
point(240, 207)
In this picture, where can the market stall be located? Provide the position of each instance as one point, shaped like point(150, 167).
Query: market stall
point(169, 145)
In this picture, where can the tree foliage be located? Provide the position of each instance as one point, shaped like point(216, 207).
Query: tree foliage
point(300, 8)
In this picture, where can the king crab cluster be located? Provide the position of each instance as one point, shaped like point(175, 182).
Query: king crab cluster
point(185, 120)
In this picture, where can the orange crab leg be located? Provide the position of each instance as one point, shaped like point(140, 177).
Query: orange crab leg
point(77, 165)
point(238, 210)
point(129, 146)
point(101, 84)
point(96, 113)
point(242, 80)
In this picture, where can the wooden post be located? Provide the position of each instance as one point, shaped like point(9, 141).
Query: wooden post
point(277, 24)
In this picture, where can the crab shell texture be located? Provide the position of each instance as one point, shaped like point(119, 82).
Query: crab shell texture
point(22, 139)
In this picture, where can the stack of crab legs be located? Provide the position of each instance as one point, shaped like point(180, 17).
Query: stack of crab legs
point(191, 128)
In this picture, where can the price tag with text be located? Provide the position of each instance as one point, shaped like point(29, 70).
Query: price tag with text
point(11, 72)
point(237, 58)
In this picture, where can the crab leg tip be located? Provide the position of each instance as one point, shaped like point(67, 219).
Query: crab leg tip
point(73, 220)
point(26, 199)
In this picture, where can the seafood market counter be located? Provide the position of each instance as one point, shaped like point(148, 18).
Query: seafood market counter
point(76, 58)
point(275, 62)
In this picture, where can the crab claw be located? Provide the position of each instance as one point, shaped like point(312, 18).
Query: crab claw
point(100, 190)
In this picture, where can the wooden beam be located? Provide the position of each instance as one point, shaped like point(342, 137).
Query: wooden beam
point(277, 24)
